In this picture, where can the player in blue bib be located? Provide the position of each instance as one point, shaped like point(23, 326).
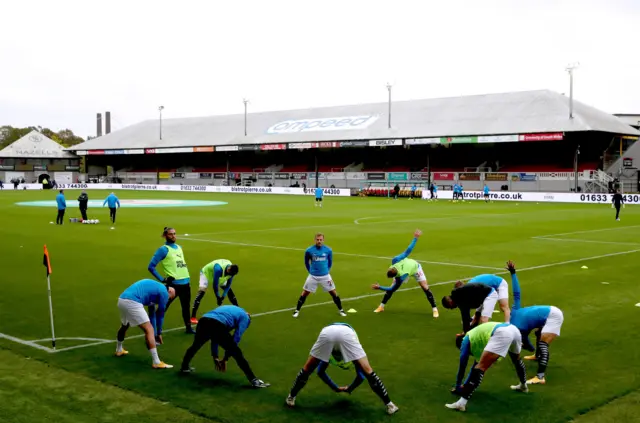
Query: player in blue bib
point(545, 320)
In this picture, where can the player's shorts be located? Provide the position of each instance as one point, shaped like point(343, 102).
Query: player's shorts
point(505, 339)
point(318, 198)
point(341, 338)
point(132, 312)
point(312, 282)
point(204, 282)
point(419, 275)
point(486, 310)
point(554, 321)
point(503, 290)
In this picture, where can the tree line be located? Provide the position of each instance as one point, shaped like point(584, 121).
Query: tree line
point(64, 137)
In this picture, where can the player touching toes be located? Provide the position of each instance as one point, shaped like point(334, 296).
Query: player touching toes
point(502, 289)
point(467, 296)
point(402, 268)
point(318, 260)
point(221, 273)
point(131, 304)
point(340, 341)
point(487, 343)
point(545, 320)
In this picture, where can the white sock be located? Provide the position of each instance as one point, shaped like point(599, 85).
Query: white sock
point(382, 305)
point(462, 401)
point(154, 355)
point(119, 347)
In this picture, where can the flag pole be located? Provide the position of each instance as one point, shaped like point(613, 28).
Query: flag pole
point(47, 264)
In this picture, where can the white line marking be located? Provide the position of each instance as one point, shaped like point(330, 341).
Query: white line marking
point(28, 343)
point(588, 241)
point(71, 339)
point(542, 266)
point(341, 254)
point(590, 231)
point(87, 345)
point(357, 221)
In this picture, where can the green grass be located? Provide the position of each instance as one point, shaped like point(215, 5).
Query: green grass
point(594, 362)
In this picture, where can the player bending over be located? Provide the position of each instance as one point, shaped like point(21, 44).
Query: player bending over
point(215, 326)
point(318, 260)
point(502, 289)
point(131, 304)
point(477, 296)
point(402, 268)
point(340, 340)
point(221, 273)
point(545, 320)
point(487, 343)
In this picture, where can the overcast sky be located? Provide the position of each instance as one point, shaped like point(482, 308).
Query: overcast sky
point(63, 61)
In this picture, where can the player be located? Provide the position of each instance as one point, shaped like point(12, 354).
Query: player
point(171, 258)
point(112, 201)
point(62, 206)
point(401, 269)
point(131, 304)
point(502, 289)
point(487, 343)
point(318, 260)
point(546, 320)
point(215, 326)
point(221, 273)
point(340, 341)
point(617, 201)
point(486, 193)
point(455, 192)
point(465, 297)
point(413, 191)
point(319, 195)
point(434, 192)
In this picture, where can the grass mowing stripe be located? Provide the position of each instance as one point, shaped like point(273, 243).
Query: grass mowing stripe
point(242, 244)
point(542, 266)
point(588, 241)
point(591, 231)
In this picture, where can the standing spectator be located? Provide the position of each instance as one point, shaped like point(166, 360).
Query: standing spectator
point(62, 206)
point(112, 201)
point(83, 203)
point(1, 184)
point(396, 192)
point(617, 201)
point(413, 191)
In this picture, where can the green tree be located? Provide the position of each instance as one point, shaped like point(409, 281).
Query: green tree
point(64, 137)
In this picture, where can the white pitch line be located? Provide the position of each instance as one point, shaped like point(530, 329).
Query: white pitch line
point(71, 339)
point(542, 266)
point(28, 343)
point(588, 241)
point(590, 231)
point(342, 254)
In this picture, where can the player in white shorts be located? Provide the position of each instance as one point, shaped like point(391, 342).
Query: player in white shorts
point(402, 268)
point(318, 260)
point(487, 343)
point(340, 342)
point(501, 288)
point(545, 320)
point(131, 304)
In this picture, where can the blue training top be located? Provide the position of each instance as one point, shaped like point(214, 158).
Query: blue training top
point(319, 192)
point(150, 293)
point(112, 201)
point(60, 200)
point(318, 261)
point(233, 317)
point(490, 280)
point(528, 318)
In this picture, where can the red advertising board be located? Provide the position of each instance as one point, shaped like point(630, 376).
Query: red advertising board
point(149, 151)
point(439, 176)
point(273, 147)
point(95, 152)
point(555, 136)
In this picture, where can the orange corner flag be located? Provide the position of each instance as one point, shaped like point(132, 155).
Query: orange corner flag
point(46, 261)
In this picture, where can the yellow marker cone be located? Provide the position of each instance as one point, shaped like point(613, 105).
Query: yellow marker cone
point(584, 267)
point(352, 310)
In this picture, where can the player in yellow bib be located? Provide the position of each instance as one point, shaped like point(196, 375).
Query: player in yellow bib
point(401, 269)
point(487, 343)
point(171, 260)
point(220, 273)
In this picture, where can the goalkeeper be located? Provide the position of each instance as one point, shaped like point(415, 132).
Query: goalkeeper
point(220, 273)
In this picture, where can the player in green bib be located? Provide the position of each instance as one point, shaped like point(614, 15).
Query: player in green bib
point(401, 269)
point(487, 343)
point(170, 258)
point(220, 273)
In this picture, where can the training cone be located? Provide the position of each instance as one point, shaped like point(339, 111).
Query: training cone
point(352, 310)
point(638, 305)
point(584, 267)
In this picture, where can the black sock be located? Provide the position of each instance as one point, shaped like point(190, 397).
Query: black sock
point(474, 381)
point(121, 333)
point(301, 301)
point(299, 383)
point(521, 370)
point(196, 303)
point(378, 387)
point(387, 297)
point(432, 300)
point(336, 300)
point(543, 358)
point(537, 345)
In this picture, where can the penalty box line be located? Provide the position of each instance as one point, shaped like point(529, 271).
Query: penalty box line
point(284, 310)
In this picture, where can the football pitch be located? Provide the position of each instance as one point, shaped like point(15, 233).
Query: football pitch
point(593, 370)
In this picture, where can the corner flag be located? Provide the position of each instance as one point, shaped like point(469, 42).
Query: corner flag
point(47, 263)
